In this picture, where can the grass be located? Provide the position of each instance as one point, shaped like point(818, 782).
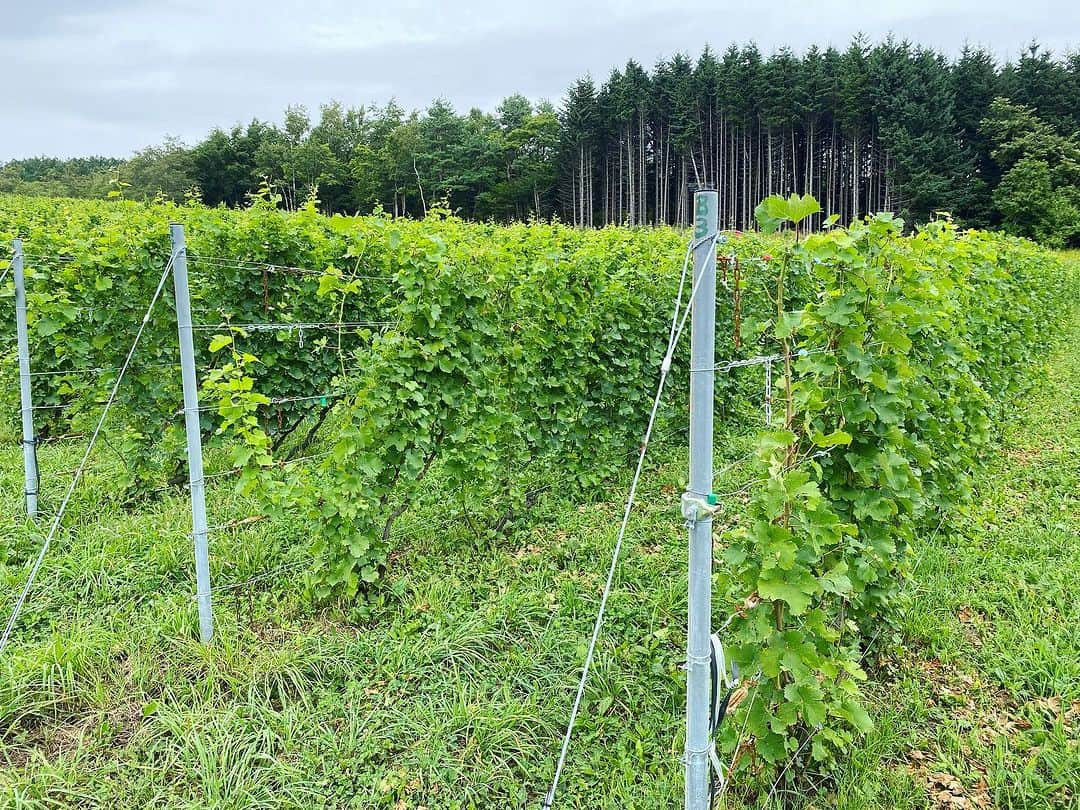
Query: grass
point(454, 691)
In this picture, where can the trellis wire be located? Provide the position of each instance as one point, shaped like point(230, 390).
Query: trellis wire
point(65, 406)
point(766, 359)
point(273, 401)
point(312, 398)
point(63, 437)
point(276, 465)
point(665, 368)
point(251, 264)
point(312, 348)
point(17, 609)
point(286, 326)
point(239, 523)
point(758, 360)
point(49, 257)
point(269, 574)
point(56, 473)
point(76, 307)
point(266, 574)
point(768, 392)
point(96, 370)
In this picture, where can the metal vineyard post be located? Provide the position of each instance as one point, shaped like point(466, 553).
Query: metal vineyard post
point(29, 440)
point(193, 430)
point(698, 647)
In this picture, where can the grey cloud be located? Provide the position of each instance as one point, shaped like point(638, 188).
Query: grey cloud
point(24, 19)
point(122, 76)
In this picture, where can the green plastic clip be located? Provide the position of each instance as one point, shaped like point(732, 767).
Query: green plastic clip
point(712, 499)
point(697, 508)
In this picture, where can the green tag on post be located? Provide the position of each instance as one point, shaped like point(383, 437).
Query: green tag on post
point(701, 216)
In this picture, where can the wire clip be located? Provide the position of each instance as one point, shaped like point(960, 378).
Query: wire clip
point(695, 508)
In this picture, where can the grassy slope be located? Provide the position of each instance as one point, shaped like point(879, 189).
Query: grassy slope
point(984, 706)
point(453, 694)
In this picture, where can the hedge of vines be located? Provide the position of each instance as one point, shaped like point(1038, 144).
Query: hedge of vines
point(899, 355)
point(552, 291)
point(519, 358)
point(91, 269)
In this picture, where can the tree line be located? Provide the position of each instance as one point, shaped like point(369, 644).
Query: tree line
point(888, 126)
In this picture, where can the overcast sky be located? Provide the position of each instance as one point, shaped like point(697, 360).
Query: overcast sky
point(84, 77)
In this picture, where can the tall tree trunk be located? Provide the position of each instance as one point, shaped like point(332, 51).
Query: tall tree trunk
point(768, 135)
point(643, 185)
point(855, 176)
point(607, 189)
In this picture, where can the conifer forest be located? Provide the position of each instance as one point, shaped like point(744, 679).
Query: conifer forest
point(891, 126)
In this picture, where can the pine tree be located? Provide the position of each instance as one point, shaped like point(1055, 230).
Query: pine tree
point(579, 119)
point(914, 107)
point(974, 85)
point(710, 120)
point(1039, 82)
point(853, 114)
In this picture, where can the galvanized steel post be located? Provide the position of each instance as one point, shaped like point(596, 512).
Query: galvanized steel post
point(193, 430)
point(699, 611)
point(26, 397)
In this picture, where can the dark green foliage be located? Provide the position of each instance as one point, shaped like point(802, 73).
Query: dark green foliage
point(975, 84)
point(1039, 81)
point(1038, 195)
point(913, 104)
point(52, 177)
point(875, 127)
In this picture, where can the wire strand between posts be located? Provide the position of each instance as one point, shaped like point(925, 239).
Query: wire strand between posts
point(21, 601)
point(678, 325)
